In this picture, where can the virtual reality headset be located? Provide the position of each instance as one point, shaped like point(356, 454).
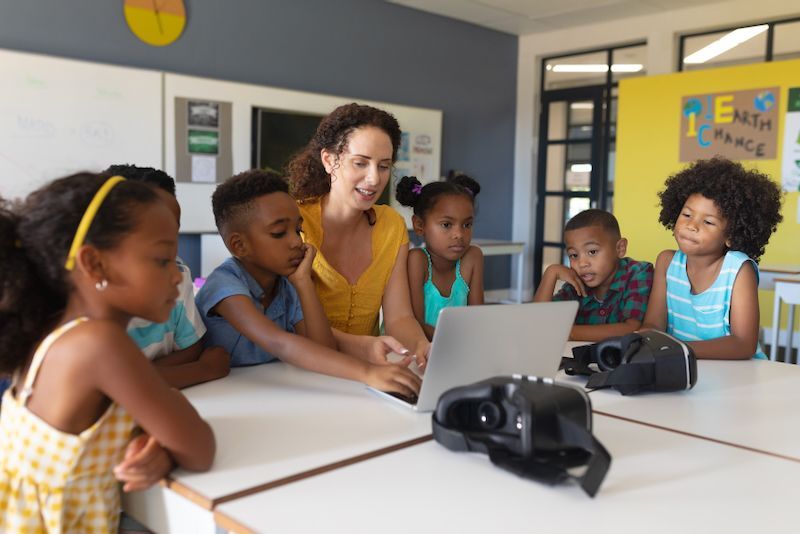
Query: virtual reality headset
point(644, 361)
point(530, 426)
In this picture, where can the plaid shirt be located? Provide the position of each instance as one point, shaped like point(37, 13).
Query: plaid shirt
point(626, 298)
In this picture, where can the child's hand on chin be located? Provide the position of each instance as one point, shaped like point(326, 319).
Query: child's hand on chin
point(145, 463)
point(571, 277)
point(303, 271)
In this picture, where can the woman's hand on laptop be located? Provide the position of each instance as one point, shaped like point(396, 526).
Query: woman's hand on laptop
point(377, 349)
point(393, 378)
point(420, 353)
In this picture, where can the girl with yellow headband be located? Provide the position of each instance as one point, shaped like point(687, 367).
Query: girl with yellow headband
point(78, 259)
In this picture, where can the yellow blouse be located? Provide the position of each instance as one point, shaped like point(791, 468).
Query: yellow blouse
point(354, 308)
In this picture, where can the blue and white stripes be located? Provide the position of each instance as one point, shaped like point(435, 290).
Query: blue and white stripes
point(706, 315)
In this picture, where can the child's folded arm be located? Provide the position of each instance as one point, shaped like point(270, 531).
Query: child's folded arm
point(599, 332)
point(179, 357)
point(656, 316)
point(130, 380)
point(193, 365)
point(742, 343)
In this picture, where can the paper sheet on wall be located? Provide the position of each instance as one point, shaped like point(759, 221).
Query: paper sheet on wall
point(791, 143)
point(204, 169)
point(422, 157)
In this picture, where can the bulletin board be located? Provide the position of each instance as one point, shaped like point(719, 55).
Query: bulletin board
point(59, 116)
point(419, 154)
point(656, 131)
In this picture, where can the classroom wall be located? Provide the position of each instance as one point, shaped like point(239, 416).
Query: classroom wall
point(661, 32)
point(359, 48)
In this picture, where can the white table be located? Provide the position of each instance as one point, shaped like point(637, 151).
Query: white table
point(752, 403)
point(492, 247)
point(659, 482)
point(274, 423)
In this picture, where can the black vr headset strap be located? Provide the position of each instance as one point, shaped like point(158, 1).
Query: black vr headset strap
point(597, 467)
point(579, 363)
point(627, 378)
point(573, 436)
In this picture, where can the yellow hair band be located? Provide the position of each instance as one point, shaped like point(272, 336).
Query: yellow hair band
point(88, 217)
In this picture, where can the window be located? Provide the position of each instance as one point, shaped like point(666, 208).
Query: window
point(754, 43)
point(577, 142)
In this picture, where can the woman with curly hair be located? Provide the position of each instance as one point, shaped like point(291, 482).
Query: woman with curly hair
point(362, 247)
point(706, 292)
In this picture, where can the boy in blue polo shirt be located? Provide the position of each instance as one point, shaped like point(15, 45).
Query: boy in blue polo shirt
point(261, 304)
point(611, 289)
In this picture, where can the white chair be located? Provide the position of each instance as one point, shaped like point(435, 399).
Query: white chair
point(786, 290)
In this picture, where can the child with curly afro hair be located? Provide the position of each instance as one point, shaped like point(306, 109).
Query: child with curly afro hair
point(706, 293)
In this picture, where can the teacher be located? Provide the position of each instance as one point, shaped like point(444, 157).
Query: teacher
point(362, 247)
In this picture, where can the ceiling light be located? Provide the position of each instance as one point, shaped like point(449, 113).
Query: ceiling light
point(581, 105)
point(580, 68)
point(581, 167)
point(598, 67)
point(725, 43)
point(626, 67)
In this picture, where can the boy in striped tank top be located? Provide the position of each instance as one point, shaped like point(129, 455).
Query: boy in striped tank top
point(706, 292)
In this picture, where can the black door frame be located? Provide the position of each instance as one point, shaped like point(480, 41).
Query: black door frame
point(599, 147)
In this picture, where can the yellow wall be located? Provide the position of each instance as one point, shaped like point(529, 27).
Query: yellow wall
point(648, 146)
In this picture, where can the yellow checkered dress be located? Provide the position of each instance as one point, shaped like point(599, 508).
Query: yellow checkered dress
point(52, 481)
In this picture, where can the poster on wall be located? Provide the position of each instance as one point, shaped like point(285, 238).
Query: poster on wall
point(739, 125)
point(203, 114)
point(422, 157)
point(203, 140)
point(791, 143)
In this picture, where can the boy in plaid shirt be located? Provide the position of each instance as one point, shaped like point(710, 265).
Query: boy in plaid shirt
point(612, 290)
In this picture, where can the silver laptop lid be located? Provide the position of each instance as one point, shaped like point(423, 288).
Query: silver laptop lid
point(473, 343)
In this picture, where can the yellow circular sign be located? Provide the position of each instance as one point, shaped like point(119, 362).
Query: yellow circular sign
point(156, 22)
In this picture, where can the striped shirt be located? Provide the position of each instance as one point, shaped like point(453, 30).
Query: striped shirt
point(183, 329)
point(706, 315)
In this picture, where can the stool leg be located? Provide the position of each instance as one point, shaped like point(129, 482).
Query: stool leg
point(789, 332)
point(776, 328)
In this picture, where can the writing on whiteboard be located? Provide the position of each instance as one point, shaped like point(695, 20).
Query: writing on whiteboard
point(34, 127)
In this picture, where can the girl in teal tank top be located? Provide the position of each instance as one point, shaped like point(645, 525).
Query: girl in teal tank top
point(448, 271)
point(434, 300)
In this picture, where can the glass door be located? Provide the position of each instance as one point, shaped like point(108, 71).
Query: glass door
point(571, 160)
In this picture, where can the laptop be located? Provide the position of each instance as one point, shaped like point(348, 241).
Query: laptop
point(473, 343)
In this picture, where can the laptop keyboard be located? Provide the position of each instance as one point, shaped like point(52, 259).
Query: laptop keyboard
point(410, 399)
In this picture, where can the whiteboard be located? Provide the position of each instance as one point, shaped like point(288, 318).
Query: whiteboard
point(59, 116)
point(422, 128)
